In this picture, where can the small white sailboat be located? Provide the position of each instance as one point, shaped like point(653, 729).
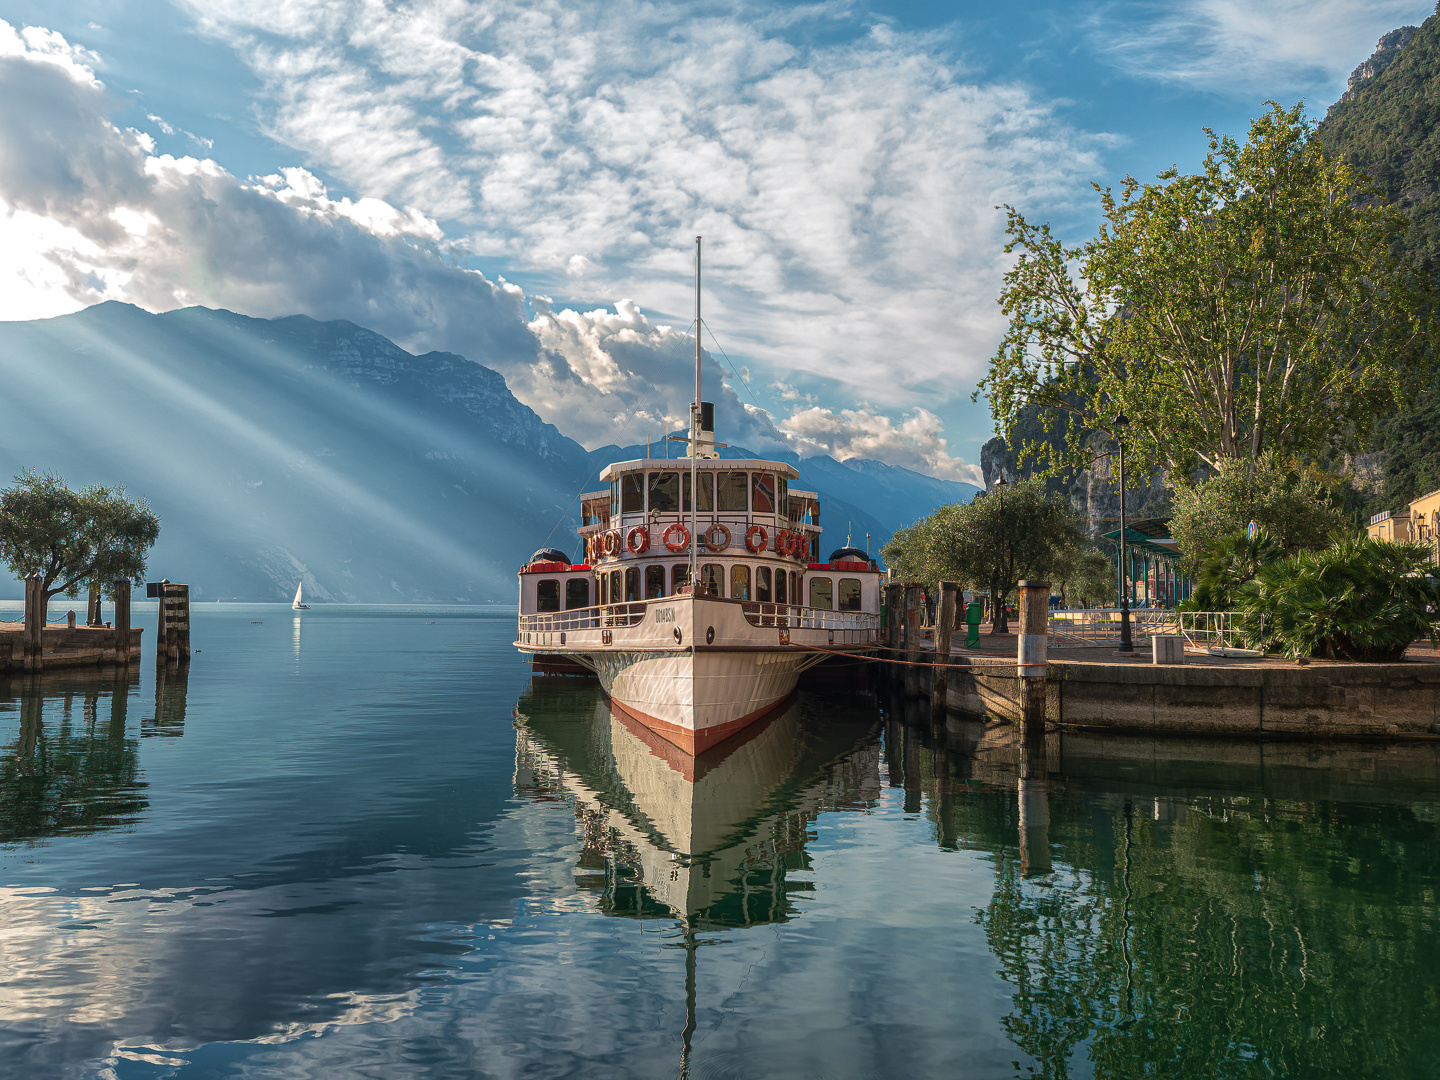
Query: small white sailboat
point(299, 604)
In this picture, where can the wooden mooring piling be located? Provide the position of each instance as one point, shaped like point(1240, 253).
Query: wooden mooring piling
point(35, 646)
point(172, 631)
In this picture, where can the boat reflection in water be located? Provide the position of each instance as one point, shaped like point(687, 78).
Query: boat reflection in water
point(708, 839)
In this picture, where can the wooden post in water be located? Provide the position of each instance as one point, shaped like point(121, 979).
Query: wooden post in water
point(1031, 660)
point(173, 633)
point(122, 622)
point(944, 623)
point(34, 641)
point(912, 635)
point(894, 614)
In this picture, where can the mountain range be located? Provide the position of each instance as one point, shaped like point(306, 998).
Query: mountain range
point(283, 450)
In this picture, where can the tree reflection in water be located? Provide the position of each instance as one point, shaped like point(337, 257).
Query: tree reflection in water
point(63, 774)
point(1209, 926)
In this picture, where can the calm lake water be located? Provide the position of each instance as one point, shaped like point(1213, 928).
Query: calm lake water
point(363, 842)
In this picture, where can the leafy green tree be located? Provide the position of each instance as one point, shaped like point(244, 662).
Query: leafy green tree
point(1084, 577)
point(1016, 531)
point(1359, 599)
point(1292, 505)
point(72, 538)
point(1255, 306)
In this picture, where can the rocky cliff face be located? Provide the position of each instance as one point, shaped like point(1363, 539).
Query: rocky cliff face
point(1094, 492)
point(1385, 54)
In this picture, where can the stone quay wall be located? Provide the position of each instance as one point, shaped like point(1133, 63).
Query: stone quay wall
point(1270, 700)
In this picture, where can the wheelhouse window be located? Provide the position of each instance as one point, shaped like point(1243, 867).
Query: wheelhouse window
point(712, 579)
point(780, 592)
point(632, 584)
point(782, 496)
point(820, 593)
point(847, 594)
point(762, 496)
point(632, 493)
point(664, 492)
point(654, 581)
point(739, 582)
point(679, 575)
point(706, 483)
point(614, 597)
point(547, 594)
point(577, 594)
point(732, 487)
point(762, 584)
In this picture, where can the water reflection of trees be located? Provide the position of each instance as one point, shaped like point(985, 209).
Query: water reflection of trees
point(1205, 934)
point(71, 767)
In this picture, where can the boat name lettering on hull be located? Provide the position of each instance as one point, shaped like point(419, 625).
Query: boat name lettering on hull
point(664, 614)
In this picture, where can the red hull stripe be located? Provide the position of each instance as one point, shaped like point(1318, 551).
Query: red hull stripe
point(697, 742)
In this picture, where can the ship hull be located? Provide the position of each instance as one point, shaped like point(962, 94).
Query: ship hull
point(697, 671)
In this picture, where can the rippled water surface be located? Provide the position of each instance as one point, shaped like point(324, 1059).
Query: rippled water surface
point(362, 842)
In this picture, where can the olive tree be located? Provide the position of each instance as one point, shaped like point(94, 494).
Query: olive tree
point(70, 539)
point(992, 542)
point(1289, 504)
point(1255, 306)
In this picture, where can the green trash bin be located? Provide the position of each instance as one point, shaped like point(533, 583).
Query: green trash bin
point(972, 620)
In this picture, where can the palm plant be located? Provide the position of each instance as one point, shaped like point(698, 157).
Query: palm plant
point(1358, 599)
point(1229, 563)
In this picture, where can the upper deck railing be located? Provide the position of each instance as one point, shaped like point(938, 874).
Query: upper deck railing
point(851, 627)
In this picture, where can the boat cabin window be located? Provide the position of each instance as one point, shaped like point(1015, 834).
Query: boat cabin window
point(680, 575)
point(632, 493)
point(820, 593)
point(632, 584)
point(740, 581)
point(780, 592)
point(664, 492)
point(762, 496)
point(782, 496)
point(654, 581)
point(577, 594)
point(712, 579)
point(794, 587)
point(614, 597)
point(706, 482)
point(847, 596)
point(732, 487)
point(547, 594)
point(762, 584)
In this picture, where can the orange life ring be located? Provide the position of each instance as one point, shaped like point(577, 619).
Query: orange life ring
point(750, 541)
point(802, 550)
point(677, 545)
point(638, 541)
point(590, 549)
point(612, 542)
point(783, 541)
point(710, 537)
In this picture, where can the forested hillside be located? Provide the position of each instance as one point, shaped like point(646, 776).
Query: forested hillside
point(1388, 124)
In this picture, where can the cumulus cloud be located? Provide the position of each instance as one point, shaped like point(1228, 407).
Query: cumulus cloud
point(845, 190)
point(916, 442)
point(1245, 46)
point(89, 211)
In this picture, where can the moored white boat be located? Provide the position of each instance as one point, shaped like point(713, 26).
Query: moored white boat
point(698, 604)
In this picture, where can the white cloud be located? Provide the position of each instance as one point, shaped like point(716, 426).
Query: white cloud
point(845, 190)
point(90, 212)
point(1248, 46)
point(916, 442)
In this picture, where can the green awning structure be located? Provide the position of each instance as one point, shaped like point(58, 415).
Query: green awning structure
point(1151, 536)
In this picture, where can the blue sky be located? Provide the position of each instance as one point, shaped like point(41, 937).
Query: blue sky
point(520, 182)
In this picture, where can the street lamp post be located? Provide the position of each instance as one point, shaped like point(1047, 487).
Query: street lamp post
point(1126, 644)
point(999, 615)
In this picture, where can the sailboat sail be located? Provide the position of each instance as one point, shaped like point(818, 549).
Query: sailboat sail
point(299, 604)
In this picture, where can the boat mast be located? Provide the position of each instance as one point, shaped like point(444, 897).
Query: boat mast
point(695, 433)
